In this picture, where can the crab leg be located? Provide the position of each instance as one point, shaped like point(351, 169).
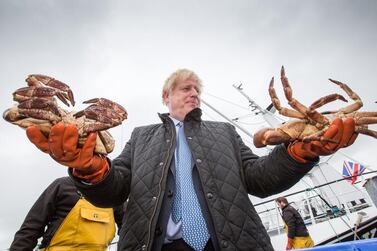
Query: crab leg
point(282, 110)
point(366, 131)
point(365, 118)
point(295, 104)
point(353, 107)
point(326, 99)
point(318, 137)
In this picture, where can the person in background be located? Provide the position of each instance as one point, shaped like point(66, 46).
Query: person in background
point(187, 181)
point(66, 221)
point(298, 235)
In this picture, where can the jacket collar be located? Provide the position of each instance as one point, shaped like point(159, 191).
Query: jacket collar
point(194, 115)
point(286, 206)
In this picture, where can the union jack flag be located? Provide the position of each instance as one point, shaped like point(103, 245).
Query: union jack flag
point(351, 170)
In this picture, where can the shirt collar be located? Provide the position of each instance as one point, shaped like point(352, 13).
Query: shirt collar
point(175, 121)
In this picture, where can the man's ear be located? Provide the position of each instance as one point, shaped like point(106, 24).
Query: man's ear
point(166, 97)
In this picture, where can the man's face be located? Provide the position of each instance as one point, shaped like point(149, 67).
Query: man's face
point(183, 99)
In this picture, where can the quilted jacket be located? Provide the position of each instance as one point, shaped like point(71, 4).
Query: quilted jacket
point(228, 172)
point(294, 221)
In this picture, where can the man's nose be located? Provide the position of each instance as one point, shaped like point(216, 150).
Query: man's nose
point(194, 92)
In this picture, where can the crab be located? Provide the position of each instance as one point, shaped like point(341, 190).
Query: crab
point(309, 124)
point(37, 105)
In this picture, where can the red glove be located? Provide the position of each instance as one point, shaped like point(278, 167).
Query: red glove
point(289, 244)
point(62, 145)
point(340, 131)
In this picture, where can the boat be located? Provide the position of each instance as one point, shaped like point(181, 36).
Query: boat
point(336, 208)
point(334, 211)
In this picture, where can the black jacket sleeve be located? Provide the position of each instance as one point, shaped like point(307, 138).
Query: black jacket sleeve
point(118, 216)
point(36, 220)
point(46, 215)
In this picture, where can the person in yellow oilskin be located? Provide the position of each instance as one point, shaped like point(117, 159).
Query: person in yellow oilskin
point(66, 221)
point(298, 234)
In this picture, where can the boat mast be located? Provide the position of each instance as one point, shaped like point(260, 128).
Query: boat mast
point(267, 115)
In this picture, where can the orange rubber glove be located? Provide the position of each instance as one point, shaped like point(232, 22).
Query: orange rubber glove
point(289, 244)
point(340, 131)
point(62, 145)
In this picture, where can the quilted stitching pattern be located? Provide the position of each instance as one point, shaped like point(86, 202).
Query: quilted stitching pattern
point(216, 150)
point(220, 172)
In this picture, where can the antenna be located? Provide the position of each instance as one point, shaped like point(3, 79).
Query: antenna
point(267, 115)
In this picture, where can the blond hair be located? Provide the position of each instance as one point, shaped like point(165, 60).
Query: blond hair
point(179, 75)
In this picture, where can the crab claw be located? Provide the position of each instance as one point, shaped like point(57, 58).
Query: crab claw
point(11, 114)
point(63, 91)
point(40, 108)
point(102, 113)
point(31, 92)
point(109, 104)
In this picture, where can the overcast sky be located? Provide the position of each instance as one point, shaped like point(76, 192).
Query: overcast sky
point(124, 50)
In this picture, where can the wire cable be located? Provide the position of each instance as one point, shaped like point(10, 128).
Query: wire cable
point(227, 101)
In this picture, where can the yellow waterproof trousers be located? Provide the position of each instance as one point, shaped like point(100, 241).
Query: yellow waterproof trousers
point(302, 242)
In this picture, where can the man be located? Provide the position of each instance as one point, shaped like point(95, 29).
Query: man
point(66, 221)
point(298, 235)
point(186, 180)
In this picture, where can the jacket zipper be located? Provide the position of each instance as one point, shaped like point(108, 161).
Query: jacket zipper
point(159, 192)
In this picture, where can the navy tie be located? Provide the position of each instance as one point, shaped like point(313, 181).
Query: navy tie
point(186, 207)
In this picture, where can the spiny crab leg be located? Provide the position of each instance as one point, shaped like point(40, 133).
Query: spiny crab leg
point(353, 107)
point(366, 131)
point(315, 116)
point(282, 110)
point(365, 118)
point(325, 100)
point(318, 137)
point(362, 120)
point(63, 91)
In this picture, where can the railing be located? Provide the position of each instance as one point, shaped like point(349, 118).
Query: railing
point(313, 209)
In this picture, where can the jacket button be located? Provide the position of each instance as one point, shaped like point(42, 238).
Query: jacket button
point(161, 163)
point(144, 247)
point(168, 140)
point(158, 231)
point(198, 160)
point(154, 198)
point(224, 244)
point(189, 137)
point(209, 195)
point(170, 193)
